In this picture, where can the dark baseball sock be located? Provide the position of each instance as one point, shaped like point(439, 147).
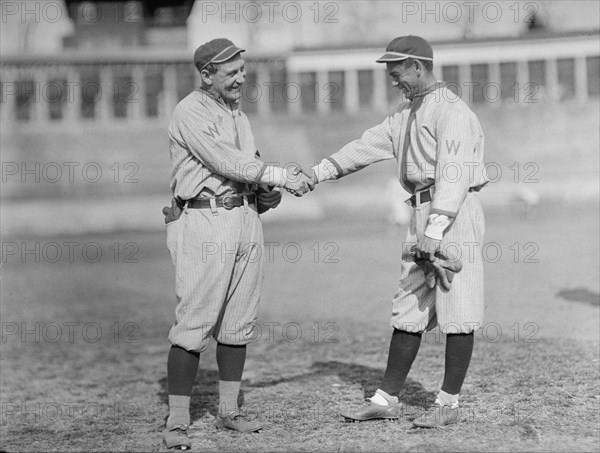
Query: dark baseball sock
point(182, 366)
point(404, 347)
point(459, 348)
point(231, 360)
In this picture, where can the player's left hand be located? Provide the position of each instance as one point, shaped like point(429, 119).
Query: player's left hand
point(268, 199)
point(172, 212)
point(427, 248)
point(441, 270)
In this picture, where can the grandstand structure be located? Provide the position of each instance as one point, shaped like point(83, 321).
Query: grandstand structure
point(141, 79)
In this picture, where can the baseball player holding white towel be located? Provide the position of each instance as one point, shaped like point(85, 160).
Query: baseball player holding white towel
point(437, 142)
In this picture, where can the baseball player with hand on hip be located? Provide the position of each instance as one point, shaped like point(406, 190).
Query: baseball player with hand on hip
point(215, 235)
point(438, 144)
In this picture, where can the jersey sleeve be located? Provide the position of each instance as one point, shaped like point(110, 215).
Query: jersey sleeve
point(458, 135)
point(199, 132)
point(375, 145)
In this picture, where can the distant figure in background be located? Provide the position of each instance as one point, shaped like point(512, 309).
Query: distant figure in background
point(526, 200)
point(215, 235)
point(437, 141)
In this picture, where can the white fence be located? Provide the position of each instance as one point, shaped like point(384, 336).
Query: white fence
point(142, 87)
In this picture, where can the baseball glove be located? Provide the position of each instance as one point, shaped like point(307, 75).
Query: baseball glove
point(441, 270)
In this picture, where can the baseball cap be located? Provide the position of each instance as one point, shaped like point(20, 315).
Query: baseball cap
point(405, 47)
point(216, 51)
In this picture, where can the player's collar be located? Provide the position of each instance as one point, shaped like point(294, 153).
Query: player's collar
point(209, 94)
point(430, 89)
point(205, 94)
point(220, 100)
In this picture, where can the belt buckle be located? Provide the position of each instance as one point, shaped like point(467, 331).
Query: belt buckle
point(419, 196)
point(226, 200)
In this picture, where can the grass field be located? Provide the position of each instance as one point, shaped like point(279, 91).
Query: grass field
point(83, 349)
point(84, 335)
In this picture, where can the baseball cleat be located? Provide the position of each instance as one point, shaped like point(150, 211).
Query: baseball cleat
point(372, 412)
point(176, 438)
point(437, 416)
point(237, 422)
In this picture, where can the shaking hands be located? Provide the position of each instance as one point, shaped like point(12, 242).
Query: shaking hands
point(300, 181)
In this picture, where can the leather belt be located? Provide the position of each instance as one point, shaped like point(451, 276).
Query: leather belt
point(226, 201)
point(424, 197)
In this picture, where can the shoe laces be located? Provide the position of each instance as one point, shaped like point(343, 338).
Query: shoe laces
point(236, 415)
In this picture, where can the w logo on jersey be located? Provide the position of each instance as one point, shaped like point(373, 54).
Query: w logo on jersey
point(452, 147)
point(212, 130)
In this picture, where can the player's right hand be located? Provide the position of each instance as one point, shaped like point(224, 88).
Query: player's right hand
point(297, 182)
point(312, 177)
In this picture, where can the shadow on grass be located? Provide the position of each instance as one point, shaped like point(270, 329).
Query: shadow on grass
point(205, 394)
point(413, 393)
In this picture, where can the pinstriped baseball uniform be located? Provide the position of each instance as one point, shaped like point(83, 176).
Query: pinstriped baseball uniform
point(438, 143)
point(217, 253)
point(212, 148)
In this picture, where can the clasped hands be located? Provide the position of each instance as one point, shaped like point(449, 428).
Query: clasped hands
point(300, 181)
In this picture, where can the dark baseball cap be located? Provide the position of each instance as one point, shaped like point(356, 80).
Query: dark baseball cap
point(216, 51)
point(407, 47)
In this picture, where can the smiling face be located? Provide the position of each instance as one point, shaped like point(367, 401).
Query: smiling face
point(406, 76)
point(228, 80)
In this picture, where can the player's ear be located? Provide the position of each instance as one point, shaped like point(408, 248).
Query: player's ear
point(418, 67)
point(206, 77)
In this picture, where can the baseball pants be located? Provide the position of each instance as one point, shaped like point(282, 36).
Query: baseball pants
point(415, 306)
point(217, 254)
